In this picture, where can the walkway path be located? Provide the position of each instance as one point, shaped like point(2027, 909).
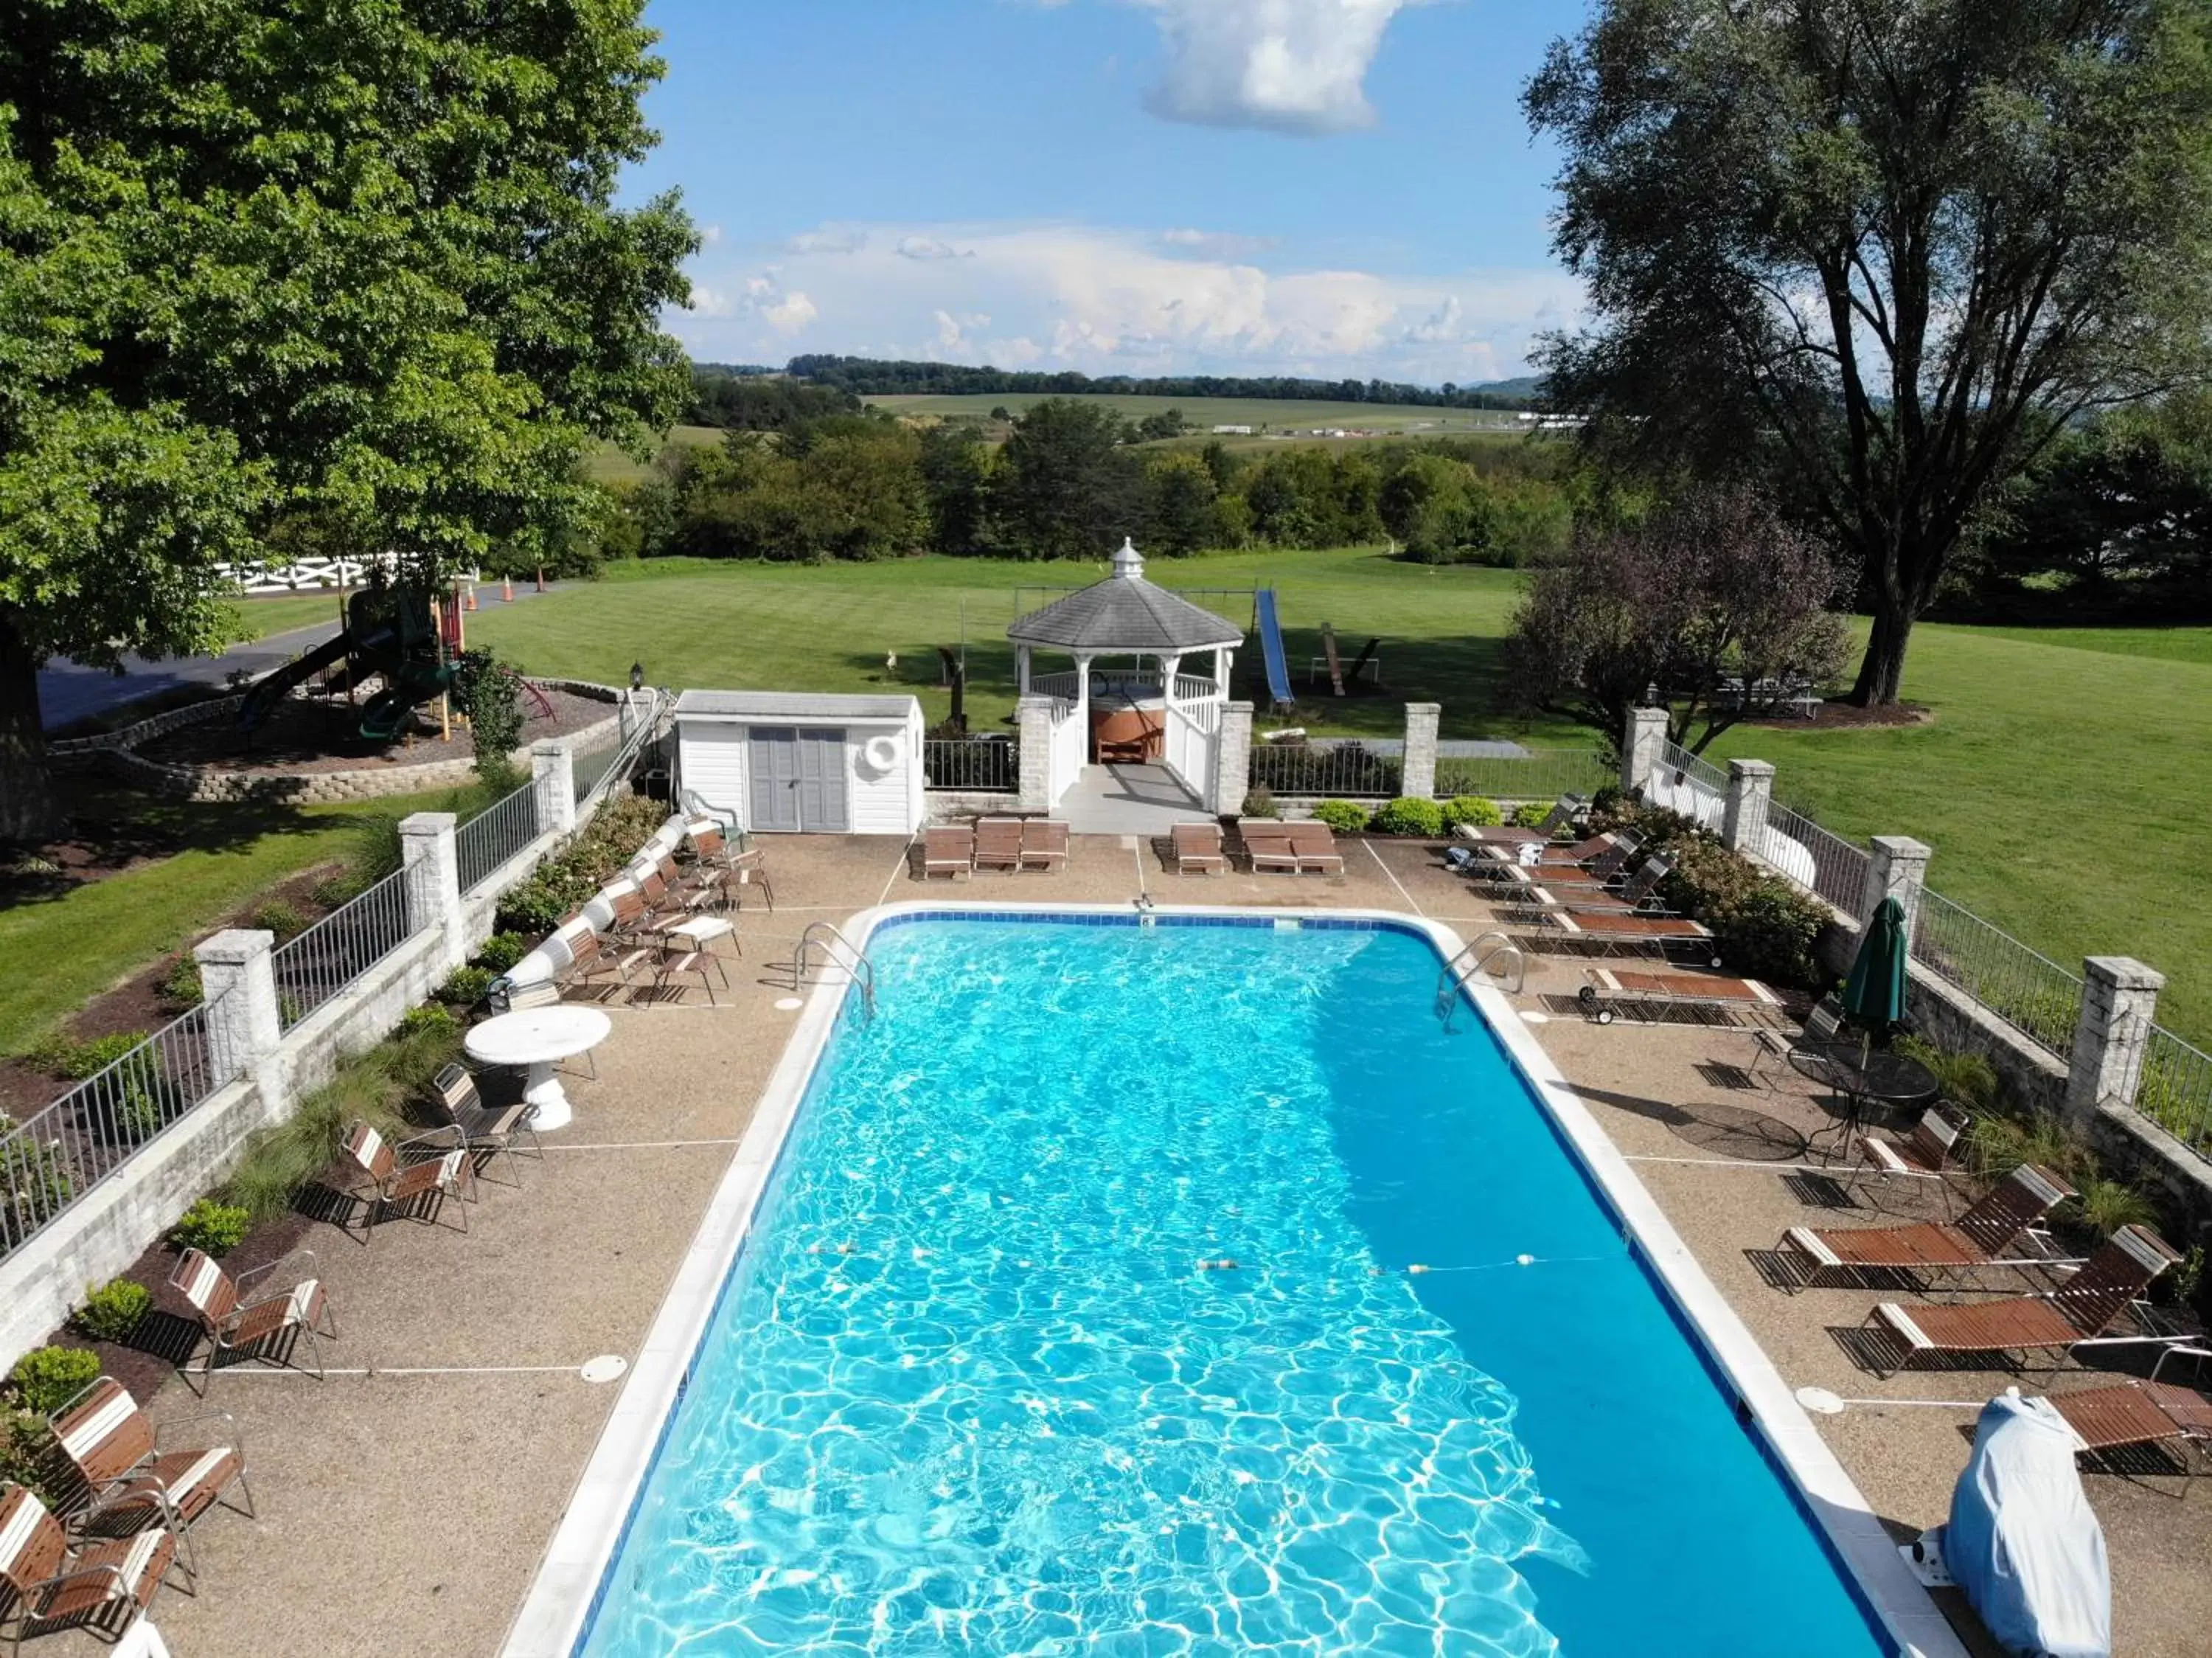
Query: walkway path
point(1128, 800)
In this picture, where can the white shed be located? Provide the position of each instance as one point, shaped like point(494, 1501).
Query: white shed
point(802, 762)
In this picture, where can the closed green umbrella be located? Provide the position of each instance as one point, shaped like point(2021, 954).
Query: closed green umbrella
point(1873, 996)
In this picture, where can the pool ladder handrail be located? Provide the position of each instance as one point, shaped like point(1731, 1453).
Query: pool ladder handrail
point(855, 962)
point(1501, 950)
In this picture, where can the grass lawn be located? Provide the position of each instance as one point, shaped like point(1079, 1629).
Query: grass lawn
point(2062, 782)
point(259, 617)
point(61, 951)
point(605, 463)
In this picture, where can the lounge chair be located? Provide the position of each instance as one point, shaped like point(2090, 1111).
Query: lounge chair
point(949, 850)
point(505, 995)
point(1197, 848)
point(1313, 846)
point(48, 1584)
point(1635, 932)
point(1926, 1151)
point(132, 1479)
point(679, 954)
point(242, 1313)
point(2079, 1311)
point(2127, 1414)
point(1565, 812)
point(489, 1130)
point(1267, 844)
point(1044, 844)
point(1985, 1236)
point(735, 868)
point(433, 1165)
point(999, 843)
point(1820, 1026)
point(1606, 991)
point(1637, 895)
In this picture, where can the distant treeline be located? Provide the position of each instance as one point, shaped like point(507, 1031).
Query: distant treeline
point(877, 377)
point(752, 403)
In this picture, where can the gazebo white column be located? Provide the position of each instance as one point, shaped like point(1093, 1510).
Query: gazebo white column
point(1222, 658)
point(1083, 703)
point(1170, 667)
point(1022, 668)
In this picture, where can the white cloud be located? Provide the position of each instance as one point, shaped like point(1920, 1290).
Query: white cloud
point(1216, 244)
point(830, 239)
point(709, 234)
point(1118, 301)
point(1290, 65)
point(929, 247)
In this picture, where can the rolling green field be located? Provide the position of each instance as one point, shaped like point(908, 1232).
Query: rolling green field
point(1277, 413)
point(605, 463)
point(2062, 781)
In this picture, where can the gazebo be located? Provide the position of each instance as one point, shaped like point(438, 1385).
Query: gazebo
point(1129, 714)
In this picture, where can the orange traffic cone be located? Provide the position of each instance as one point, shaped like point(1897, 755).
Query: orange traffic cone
point(506, 589)
point(472, 598)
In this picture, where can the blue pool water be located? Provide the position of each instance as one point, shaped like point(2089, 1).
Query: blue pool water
point(975, 1386)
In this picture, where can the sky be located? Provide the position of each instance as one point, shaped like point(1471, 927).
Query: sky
point(1329, 188)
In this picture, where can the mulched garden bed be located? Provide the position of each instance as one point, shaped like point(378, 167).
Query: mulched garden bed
point(313, 734)
point(1836, 715)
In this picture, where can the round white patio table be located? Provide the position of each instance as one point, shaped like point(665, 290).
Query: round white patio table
point(537, 1040)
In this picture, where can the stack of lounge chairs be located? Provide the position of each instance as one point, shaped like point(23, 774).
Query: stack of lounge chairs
point(1280, 846)
point(1010, 844)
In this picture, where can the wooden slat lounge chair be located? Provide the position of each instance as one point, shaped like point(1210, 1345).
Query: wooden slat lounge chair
point(950, 851)
point(1565, 812)
point(1637, 895)
point(1606, 991)
point(1986, 1235)
point(1267, 845)
point(737, 869)
point(430, 1167)
point(485, 1129)
point(1197, 848)
point(678, 956)
point(238, 1315)
point(1927, 1150)
point(103, 1583)
point(2080, 1311)
point(1654, 934)
point(1044, 844)
point(133, 1479)
point(999, 843)
point(2124, 1415)
point(1314, 847)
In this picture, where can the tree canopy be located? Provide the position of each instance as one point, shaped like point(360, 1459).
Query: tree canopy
point(263, 260)
point(1884, 250)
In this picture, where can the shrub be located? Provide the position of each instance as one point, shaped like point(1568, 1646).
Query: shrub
point(2108, 1206)
point(281, 918)
point(1408, 816)
point(63, 1057)
point(1474, 809)
point(1343, 817)
point(1761, 925)
point(112, 1311)
point(1964, 1079)
point(413, 1056)
point(465, 986)
point(1530, 814)
point(46, 1378)
point(1260, 803)
point(501, 951)
point(212, 1228)
point(32, 1173)
point(180, 986)
point(427, 1019)
point(281, 1159)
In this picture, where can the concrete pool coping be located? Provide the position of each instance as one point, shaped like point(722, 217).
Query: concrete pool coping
point(571, 1576)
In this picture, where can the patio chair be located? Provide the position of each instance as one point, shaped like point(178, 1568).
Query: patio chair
point(1821, 1025)
point(488, 1129)
point(1565, 812)
point(1605, 873)
point(1927, 1150)
point(1044, 844)
point(238, 1314)
point(424, 1171)
point(2126, 1415)
point(1267, 844)
point(2078, 1311)
point(1314, 847)
point(676, 957)
point(1637, 895)
point(1197, 848)
point(738, 866)
point(133, 1479)
point(684, 922)
point(1979, 1238)
point(949, 851)
point(1606, 992)
point(999, 843)
point(1654, 934)
point(48, 1584)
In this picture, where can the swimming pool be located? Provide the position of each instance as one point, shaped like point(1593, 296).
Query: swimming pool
point(1190, 1288)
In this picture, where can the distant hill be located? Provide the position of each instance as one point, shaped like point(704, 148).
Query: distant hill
point(879, 377)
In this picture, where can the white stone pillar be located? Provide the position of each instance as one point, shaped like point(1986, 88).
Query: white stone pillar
point(238, 987)
point(2118, 1003)
point(1233, 760)
point(1034, 716)
point(1422, 719)
point(1641, 746)
point(1897, 868)
point(1022, 670)
point(1083, 708)
point(434, 880)
point(553, 779)
point(1750, 791)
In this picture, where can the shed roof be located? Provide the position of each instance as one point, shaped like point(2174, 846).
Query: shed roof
point(1124, 614)
point(792, 705)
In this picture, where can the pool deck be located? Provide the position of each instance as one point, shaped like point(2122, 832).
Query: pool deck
point(405, 1502)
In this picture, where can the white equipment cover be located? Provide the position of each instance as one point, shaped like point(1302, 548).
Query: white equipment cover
point(2022, 1540)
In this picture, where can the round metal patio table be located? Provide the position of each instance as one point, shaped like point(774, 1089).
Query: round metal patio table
point(1865, 1077)
point(537, 1040)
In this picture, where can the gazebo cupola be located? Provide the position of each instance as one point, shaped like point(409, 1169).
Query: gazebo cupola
point(1126, 616)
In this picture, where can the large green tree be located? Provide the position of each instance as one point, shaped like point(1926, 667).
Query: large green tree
point(345, 260)
point(1885, 249)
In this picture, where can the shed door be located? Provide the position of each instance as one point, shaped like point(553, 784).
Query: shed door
point(772, 752)
point(822, 805)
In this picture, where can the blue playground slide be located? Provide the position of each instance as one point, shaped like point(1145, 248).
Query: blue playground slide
point(1271, 648)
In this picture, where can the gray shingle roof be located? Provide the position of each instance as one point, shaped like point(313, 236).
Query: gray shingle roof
point(792, 705)
point(1124, 614)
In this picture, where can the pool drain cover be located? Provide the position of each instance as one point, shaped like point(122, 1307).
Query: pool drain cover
point(1820, 1401)
point(606, 1368)
point(788, 1004)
